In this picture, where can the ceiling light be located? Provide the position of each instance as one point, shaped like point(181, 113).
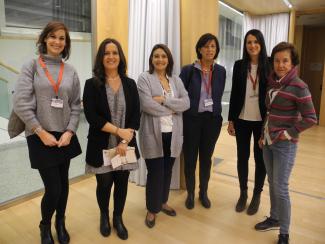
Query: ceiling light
point(287, 3)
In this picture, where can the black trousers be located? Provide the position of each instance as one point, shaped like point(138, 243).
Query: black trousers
point(105, 182)
point(200, 136)
point(159, 176)
point(244, 130)
point(56, 184)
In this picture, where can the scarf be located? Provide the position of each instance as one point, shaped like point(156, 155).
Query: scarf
point(273, 82)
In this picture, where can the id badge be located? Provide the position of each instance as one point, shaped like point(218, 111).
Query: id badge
point(208, 102)
point(57, 103)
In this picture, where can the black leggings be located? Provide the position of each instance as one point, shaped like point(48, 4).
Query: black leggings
point(105, 181)
point(56, 183)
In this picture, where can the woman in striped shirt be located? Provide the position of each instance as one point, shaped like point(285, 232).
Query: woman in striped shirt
point(290, 110)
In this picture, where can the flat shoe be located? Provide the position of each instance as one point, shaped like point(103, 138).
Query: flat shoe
point(150, 223)
point(171, 212)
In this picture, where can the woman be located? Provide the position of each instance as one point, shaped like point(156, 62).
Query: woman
point(47, 99)
point(111, 104)
point(163, 98)
point(246, 114)
point(290, 111)
point(204, 81)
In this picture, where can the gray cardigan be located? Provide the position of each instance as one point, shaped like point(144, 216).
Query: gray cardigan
point(33, 95)
point(150, 130)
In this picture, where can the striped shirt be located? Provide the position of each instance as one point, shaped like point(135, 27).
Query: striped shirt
point(290, 111)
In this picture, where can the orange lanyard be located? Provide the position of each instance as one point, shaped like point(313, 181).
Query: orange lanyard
point(254, 82)
point(49, 76)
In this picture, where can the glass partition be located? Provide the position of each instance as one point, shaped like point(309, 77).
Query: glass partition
point(17, 45)
point(230, 39)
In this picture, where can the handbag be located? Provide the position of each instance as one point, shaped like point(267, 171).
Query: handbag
point(15, 125)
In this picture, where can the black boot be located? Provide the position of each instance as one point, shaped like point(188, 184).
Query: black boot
point(189, 203)
point(63, 235)
point(254, 205)
point(104, 225)
point(283, 239)
point(205, 201)
point(122, 232)
point(46, 234)
point(241, 204)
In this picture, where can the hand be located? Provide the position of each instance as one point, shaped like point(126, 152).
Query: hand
point(125, 134)
point(121, 149)
point(231, 129)
point(159, 99)
point(260, 143)
point(47, 138)
point(65, 139)
point(282, 137)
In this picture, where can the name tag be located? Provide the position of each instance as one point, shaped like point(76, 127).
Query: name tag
point(208, 102)
point(57, 103)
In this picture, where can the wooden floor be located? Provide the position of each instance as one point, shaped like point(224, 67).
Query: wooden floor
point(220, 224)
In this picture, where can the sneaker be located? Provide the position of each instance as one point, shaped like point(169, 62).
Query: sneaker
point(268, 224)
point(283, 239)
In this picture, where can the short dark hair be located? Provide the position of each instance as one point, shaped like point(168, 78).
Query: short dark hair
point(282, 46)
point(170, 65)
point(99, 69)
point(51, 27)
point(204, 39)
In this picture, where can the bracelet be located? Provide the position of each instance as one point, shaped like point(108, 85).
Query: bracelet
point(38, 130)
point(124, 141)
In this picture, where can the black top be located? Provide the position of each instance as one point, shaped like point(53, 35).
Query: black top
point(238, 91)
point(97, 114)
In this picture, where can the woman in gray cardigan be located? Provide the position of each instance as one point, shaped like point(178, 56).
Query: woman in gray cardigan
point(163, 98)
point(47, 99)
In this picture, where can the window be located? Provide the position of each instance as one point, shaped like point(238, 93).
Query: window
point(230, 40)
point(35, 14)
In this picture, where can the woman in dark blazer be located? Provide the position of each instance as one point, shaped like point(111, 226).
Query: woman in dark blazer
point(246, 114)
point(204, 81)
point(111, 105)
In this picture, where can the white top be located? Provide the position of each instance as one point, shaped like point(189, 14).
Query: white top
point(166, 122)
point(251, 109)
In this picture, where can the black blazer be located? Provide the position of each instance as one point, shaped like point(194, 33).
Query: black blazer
point(97, 114)
point(238, 91)
point(191, 77)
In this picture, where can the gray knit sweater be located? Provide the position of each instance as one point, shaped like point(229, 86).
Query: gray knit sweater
point(34, 93)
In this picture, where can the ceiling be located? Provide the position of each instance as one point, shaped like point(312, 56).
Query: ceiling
point(309, 12)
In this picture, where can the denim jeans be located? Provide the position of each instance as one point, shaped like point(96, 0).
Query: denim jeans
point(279, 159)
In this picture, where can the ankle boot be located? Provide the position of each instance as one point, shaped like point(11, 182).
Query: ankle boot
point(46, 234)
point(205, 201)
point(104, 226)
point(254, 205)
point(189, 203)
point(122, 232)
point(63, 235)
point(283, 239)
point(241, 203)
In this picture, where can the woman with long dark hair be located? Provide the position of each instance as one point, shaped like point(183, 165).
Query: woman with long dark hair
point(247, 112)
point(111, 104)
